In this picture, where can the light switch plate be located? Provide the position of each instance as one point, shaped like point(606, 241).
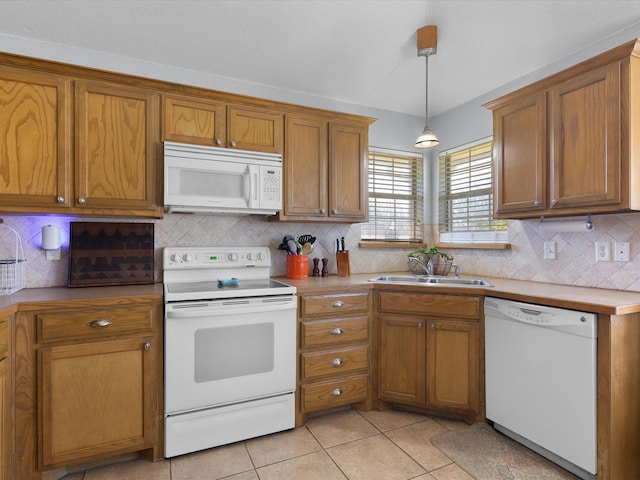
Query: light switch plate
point(603, 252)
point(621, 252)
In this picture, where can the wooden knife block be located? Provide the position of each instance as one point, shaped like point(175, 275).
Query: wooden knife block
point(342, 262)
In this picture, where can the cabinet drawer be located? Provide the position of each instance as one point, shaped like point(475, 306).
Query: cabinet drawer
point(345, 360)
point(314, 305)
point(326, 332)
point(4, 338)
point(430, 304)
point(83, 324)
point(320, 396)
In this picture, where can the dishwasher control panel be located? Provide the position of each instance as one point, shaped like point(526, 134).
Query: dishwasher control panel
point(570, 321)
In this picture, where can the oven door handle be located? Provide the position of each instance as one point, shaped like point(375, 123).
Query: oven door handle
point(208, 311)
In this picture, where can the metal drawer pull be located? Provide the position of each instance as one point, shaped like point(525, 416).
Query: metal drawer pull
point(337, 303)
point(100, 322)
point(336, 362)
point(337, 392)
point(337, 331)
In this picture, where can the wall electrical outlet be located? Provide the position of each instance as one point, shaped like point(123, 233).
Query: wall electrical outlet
point(621, 252)
point(549, 250)
point(603, 252)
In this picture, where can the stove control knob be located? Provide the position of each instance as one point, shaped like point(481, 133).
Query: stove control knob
point(249, 256)
point(187, 258)
point(231, 257)
point(175, 258)
point(259, 256)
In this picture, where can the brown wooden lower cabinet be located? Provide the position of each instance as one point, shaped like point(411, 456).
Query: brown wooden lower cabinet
point(6, 405)
point(333, 353)
point(95, 399)
point(430, 361)
point(88, 384)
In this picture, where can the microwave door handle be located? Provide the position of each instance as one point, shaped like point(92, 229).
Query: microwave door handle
point(253, 186)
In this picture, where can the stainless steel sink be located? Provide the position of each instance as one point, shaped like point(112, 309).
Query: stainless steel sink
point(424, 280)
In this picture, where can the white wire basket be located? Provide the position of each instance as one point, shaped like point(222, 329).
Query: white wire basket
point(12, 269)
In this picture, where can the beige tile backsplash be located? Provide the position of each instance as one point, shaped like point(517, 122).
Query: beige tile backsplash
point(575, 263)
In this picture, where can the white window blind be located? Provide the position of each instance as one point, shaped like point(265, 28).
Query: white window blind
point(396, 197)
point(465, 201)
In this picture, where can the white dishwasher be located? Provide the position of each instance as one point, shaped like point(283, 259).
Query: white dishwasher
point(541, 380)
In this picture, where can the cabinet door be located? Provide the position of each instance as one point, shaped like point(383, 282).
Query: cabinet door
point(194, 121)
point(115, 164)
point(6, 427)
point(35, 159)
point(255, 130)
point(305, 167)
point(453, 365)
point(95, 400)
point(401, 362)
point(348, 177)
point(6, 442)
point(520, 156)
point(585, 132)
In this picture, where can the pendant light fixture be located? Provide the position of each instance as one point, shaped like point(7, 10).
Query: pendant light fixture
point(427, 45)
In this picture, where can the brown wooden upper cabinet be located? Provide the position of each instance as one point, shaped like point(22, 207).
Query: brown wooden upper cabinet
point(115, 167)
point(35, 124)
point(325, 170)
point(76, 147)
point(565, 145)
point(217, 124)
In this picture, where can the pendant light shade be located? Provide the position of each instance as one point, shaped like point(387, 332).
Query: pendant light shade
point(427, 44)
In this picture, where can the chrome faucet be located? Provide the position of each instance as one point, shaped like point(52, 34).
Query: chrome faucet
point(456, 270)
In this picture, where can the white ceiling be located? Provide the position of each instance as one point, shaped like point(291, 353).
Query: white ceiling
point(356, 51)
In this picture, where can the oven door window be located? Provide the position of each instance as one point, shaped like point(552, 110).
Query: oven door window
point(233, 351)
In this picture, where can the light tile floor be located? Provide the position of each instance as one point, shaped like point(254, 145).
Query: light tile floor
point(352, 445)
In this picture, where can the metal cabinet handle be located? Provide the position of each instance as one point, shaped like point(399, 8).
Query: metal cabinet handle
point(322, 210)
point(81, 200)
point(337, 392)
point(147, 346)
point(337, 331)
point(60, 199)
point(334, 211)
point(337, 362)
point(433, 327)
point(537, 203)
point(100, 322)
point(233, 143)
point(554, 202)
point(218, 141)
point(337, 303)
point(419, 324)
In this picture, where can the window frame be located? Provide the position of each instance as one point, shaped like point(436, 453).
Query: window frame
point(495, 233)
point(417, 195)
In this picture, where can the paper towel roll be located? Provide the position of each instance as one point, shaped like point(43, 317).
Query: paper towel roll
point(565, 226)
point(50, 237)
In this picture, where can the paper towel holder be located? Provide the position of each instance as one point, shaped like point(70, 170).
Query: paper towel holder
point(588, 226)
point(51, 242)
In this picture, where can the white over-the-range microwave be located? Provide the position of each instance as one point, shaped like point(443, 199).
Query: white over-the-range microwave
point(201, 179)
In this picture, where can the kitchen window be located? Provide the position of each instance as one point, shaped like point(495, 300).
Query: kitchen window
point(465, 199)
point(396, 197)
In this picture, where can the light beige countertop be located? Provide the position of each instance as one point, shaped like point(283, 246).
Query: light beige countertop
point(597, 300)
point(39, 298)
